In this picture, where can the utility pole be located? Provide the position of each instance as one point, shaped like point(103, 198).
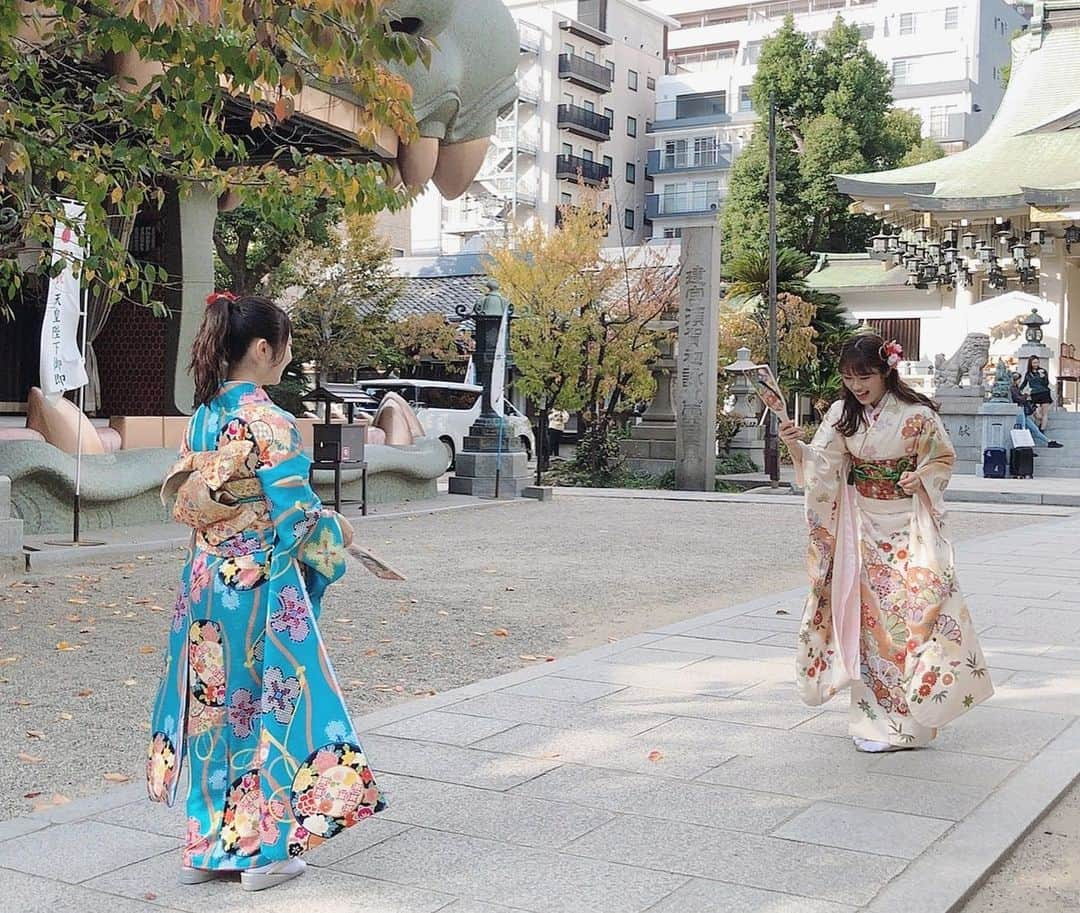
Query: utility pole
point(772, 444)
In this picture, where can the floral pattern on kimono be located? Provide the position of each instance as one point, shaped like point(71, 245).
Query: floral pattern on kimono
point(884, 614)
point(248, 698)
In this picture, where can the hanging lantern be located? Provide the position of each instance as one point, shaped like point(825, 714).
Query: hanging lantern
point(1072, 236)
point(948, 237)
point(985, 251)
point(921, 234)
point(1037, 236)
point(968, 241)
point(949, 254)
point(1019, 252)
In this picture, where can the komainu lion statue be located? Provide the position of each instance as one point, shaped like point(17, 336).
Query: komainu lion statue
point(969, 359)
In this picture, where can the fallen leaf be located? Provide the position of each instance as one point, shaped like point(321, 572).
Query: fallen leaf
point(129, 681)
point(157, 608)
point(66, 716)
point(148, 649)
point(86, 692)
point(60, 799)
point(78, 600)
point(509, 589)
point(400, 689)
point(32, 795)
point(23, 702)
point(117, 778)
point(65, 647)
point(8, 660)
point(480, 633)
point(782, 612)
point(149, 895)
point(371, 652)
point(528, 657)
point(655, 755)
point(501, 632)
point(549, 659)
point(73, 617)
point(35, 734)
point(442, 612)
point(29, 758)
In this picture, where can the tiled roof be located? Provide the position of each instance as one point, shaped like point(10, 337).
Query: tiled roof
point(436, 295)
point(840, 271)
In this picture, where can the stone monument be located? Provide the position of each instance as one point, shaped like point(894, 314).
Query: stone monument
point(696, 370)
point(492, 463)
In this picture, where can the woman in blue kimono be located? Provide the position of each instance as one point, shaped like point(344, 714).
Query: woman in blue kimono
point(248, 696)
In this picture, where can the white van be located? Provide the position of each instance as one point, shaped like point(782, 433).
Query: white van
point(447, 410)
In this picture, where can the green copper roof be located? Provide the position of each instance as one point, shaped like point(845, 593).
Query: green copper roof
point(847, 271)
point(1030, 154)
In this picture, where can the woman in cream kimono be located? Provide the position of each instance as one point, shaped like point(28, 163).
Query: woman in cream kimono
point(248, 697)
point(884, 615)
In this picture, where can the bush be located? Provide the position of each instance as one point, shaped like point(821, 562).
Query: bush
point(571, 476)
point(730, 464)
point(598, 455)
point(727, 426)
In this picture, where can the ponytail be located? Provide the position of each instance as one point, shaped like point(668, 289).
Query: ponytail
point(228, 328)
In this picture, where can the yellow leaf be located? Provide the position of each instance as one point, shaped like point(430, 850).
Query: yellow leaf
point(117, 194)
point(147, 649)
point(65, 647)
point(501, 632)
point(117, 778)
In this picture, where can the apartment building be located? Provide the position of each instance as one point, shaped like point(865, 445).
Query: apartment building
point(587, 81)
point(948, 60)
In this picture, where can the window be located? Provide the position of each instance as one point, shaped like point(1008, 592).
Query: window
point(672, 232)
point(745, 102)
point(907, 23)
point(952, 18)
point(567, 149)
point(590, 56)
point(587, 154)
point(631, 126)
point(939, 121)
point(752, 54)
point(565, 199)
point(610, 64)
point(650, 83)
point(610, 115)
point(901, 71)
point(568, 48)
point(609, 163)
point(588, 105)
point(628, 219)
point(439, 398)
point(866, 32)
point(567, 98)
point(631, 80)
point(631, 173)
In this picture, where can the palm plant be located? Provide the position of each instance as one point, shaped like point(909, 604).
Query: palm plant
point(748, 274)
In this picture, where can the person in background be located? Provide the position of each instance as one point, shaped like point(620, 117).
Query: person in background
point(1038, 382)
point(1023, 417)
point(557, 420)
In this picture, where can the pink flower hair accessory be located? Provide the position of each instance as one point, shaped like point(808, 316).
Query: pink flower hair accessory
point(892, 353)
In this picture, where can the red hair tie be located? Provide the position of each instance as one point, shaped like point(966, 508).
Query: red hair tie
point(213, 296)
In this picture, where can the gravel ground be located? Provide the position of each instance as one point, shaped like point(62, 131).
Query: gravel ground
point(487, 592)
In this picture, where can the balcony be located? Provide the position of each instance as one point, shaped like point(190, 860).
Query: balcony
point(701, 110)
point(585, 73)
point(524, 141)
point(530, 38)
point(955, 127)
point(715, 158)
point(529, 93)
point(570, 167)
point(690, 204)
point(584, 122)
point(588, 32)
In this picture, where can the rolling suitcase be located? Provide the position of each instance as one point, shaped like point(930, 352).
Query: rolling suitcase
point(994, 463)
point(1022, 463)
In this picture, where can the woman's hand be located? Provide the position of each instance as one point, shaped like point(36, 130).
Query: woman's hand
point(910, 483)
point(792, 435)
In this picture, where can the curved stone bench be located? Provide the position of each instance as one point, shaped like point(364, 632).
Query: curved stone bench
point(121, 489)
point(118, 489)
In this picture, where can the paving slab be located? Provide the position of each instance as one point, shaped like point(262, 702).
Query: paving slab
point(869, 830)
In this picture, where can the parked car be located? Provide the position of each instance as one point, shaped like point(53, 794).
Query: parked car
point(447, 410)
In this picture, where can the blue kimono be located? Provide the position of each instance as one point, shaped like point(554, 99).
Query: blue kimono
point(248, 694)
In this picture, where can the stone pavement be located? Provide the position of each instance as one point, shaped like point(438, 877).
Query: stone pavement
point(670, 772)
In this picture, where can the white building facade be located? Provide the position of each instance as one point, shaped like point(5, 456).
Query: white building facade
point(948, 60)
point(587, 81)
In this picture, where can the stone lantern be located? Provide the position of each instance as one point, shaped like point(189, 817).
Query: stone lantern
point(492, 463)
point(1033, 338)
point(750, 438)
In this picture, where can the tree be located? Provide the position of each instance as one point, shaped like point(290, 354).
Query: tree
point(76, 125)
point(833, 105)
point(250, 249)
point(748, 326)
point(342, 295)
point(423, 338)
point(585, 333)
point(748, 274)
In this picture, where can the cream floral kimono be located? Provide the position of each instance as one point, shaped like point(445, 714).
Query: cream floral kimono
point(884, 613)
